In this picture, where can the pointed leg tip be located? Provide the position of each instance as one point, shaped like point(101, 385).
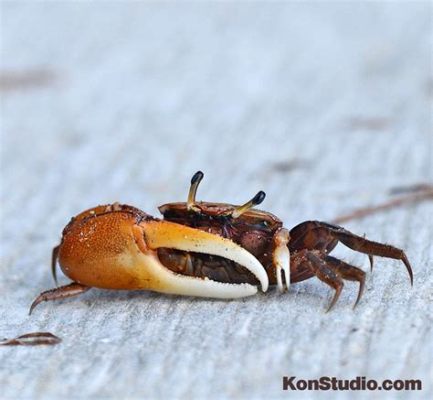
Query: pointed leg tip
point(409, 269)
point(410, 275)
point(329, 308)
point(360, 292)
point(36, 302)
point(370, 258)
point(356, 303)
point(33, 306)
point(332, 304)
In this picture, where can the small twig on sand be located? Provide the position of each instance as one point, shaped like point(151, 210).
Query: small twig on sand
point(404, 200)
point(32, 339)
point(417, 187)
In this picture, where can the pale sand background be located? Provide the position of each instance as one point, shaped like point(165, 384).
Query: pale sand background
point(104, 102)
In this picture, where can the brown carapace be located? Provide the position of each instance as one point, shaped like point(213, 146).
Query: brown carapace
point(203, 249)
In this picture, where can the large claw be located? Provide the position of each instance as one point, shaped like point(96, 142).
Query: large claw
point(151, 235)
point(110, 250)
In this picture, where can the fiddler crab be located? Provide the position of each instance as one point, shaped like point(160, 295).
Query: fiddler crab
point(203, 249)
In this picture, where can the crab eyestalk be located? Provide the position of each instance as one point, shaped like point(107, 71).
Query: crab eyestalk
point(195, 181)
point(255, 201)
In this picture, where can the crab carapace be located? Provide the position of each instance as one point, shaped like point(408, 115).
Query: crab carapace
point(203, 249)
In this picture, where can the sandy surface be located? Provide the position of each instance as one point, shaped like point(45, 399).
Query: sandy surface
point(325, 107)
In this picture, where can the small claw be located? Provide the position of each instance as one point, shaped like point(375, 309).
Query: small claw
point(281, 259)
point(171, 235)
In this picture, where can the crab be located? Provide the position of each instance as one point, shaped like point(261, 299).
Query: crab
point(203, 249)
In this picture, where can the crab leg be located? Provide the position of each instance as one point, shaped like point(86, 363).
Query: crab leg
point(348, 272)
point(62, 292)
point(316, 235)
point(325, 274)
